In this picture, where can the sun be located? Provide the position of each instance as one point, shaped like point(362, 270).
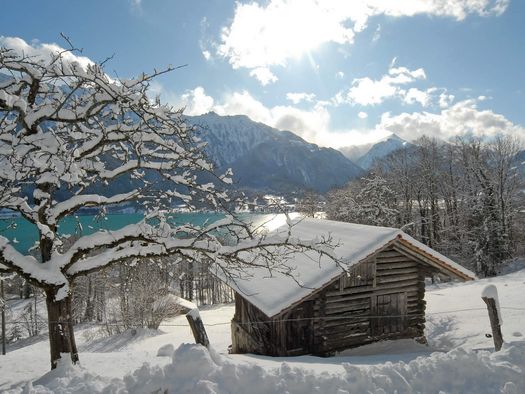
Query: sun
point(266, 36)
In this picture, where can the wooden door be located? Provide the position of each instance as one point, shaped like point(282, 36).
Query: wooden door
point(299, 332)
point(388, 314)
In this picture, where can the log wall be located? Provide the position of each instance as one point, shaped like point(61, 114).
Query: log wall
point(382, 298)
point(252, 331)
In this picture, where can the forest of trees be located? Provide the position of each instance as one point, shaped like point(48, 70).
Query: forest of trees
point(464, 199)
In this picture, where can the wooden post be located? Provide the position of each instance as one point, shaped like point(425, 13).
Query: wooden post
point(490, 296)
point(2, 296)
point(197, 328)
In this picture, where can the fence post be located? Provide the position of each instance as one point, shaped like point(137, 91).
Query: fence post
point(197, 327)
point(490, 296)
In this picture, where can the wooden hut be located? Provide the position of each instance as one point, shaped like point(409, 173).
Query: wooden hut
point(376, 294)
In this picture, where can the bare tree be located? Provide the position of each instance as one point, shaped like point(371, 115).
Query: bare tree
point(461, 198)
point(309, 204)
point(368, 200)
point(70, 133)
point(492, 202)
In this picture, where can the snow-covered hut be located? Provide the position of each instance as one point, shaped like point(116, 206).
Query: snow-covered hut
point(377, 292)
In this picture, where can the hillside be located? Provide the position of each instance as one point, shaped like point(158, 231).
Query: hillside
point(365, 155)
point(355, 152)
point(264, 158)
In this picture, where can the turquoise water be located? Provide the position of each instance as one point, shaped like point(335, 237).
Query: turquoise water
point(24, 234)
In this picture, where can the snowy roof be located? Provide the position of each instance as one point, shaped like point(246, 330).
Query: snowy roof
point(272, 292)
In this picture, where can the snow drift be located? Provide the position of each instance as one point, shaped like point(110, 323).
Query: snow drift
point(196, 370)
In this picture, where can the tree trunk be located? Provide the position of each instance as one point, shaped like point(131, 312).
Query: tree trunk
point(2, 307)
point(26, 290)
point(61, 334)
point(90, 302)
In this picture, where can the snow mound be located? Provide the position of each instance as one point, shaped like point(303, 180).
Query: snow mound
point(65, 379)
point(166, 350)
point(196, 370)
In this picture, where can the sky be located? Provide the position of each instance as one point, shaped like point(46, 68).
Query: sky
point(335, 72)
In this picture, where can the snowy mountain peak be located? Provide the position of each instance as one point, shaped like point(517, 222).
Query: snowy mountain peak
point(394, 137)
point(266, 158)
point(382, 149)
point(365, 155)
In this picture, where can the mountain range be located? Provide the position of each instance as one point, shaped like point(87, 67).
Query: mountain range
point(266, 159)
point(365, 155)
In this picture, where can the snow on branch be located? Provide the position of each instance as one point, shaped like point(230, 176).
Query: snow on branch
point(27, 266)
point(87, 200)
point(71, 137)
point(272, 253)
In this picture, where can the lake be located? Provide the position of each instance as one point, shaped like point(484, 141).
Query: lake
point(24, 234)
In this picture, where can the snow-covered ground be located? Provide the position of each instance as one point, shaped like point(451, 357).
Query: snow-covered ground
point(459, 358)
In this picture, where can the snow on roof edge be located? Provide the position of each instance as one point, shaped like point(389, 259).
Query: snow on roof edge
point(449, 264)
point(337, 271)
point(331, 273)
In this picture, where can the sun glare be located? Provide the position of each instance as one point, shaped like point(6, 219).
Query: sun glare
point(298, 32)
point(301, 26)
point(283, 30)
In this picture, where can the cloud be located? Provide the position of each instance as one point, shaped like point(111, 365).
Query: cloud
point(404, 75)
point(205, 44)
point(456, 9)
point(312, 124)
point(305, 123)
point(136, 6)
point(463, 118)
point(263, 75)
point(366, 91)
point(279, 30)
point(377, 34)
point(296, 98)
point(415, 95)
point(445, 99)
point(43, 50)
point(197, 102)
point(261, 36)
point(243, 103)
